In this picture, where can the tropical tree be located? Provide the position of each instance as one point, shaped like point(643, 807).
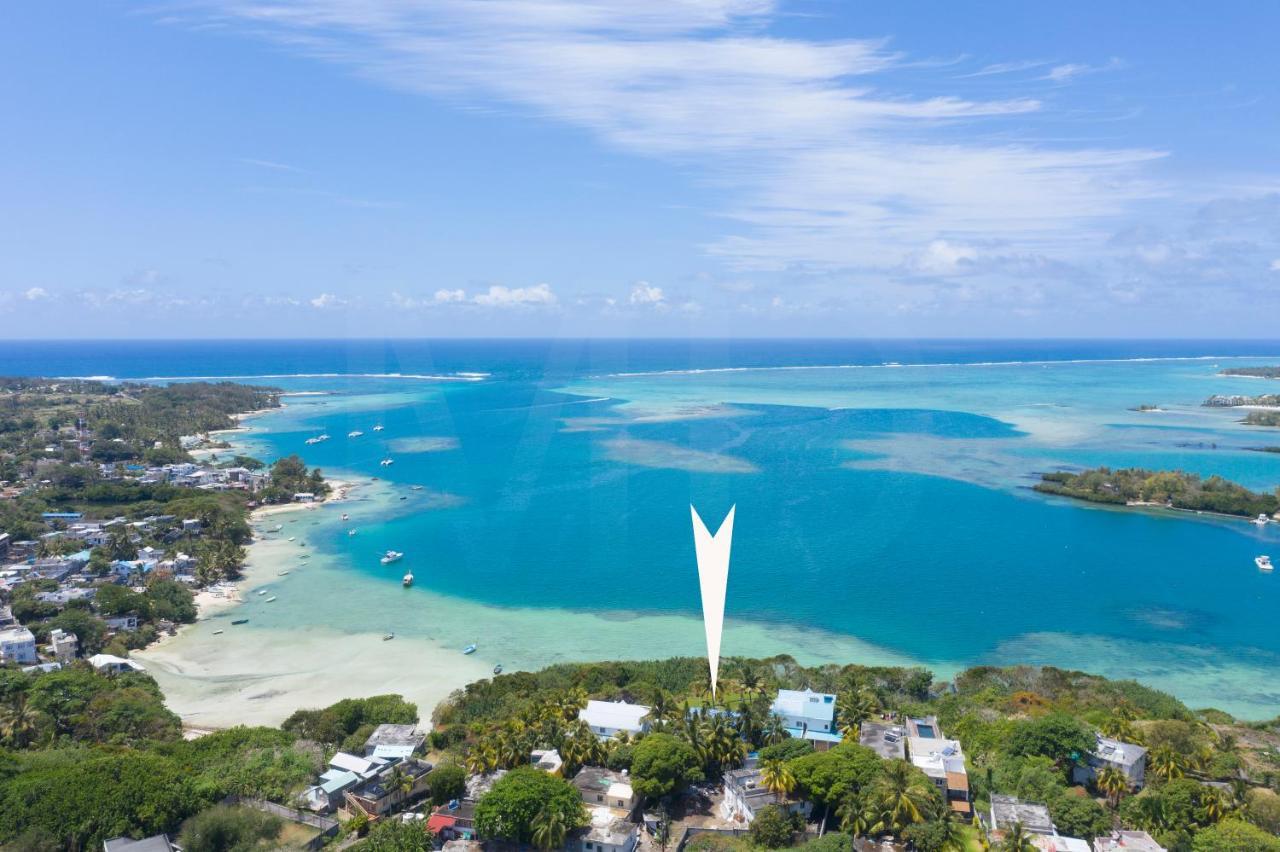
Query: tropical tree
point(1114, 783)
point(855, 817)
point(944, 834)
point(1017, 839)
point(19, 721)
point(855, 708)
point(777, 777)
point(1167, 764)
point(902, 795)
point(549, 828)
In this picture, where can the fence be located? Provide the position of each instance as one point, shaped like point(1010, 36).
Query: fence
point(327, 827)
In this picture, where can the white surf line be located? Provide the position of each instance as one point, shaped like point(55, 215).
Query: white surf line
point(713, 581)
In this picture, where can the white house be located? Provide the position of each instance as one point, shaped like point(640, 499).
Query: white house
point(17, 645)
point(608, 718)
point(605, 788)
point(113, 664)
point(808, 715)
point(745, 795)
point(304, 497)
point(942, 760)
point(1129, 758)
point(62, 645)
point(609, 833)
point(1128, 840)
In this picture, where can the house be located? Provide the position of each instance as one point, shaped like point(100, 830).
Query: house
point(394, 741)
point(1058, 843)
point(608, 718)
point(1127, 840)
point(454, 821)
point(599, 786)
point(1008, 810)
point(158, 843)
point(191, 526)
point(808, 715)
point(548, 760)
point(6, 617)
point(63, 645)
point(888, 741)
point(608, 832)
point(745, 795)
point(17, 645)
point(127, 623)
point(1129, 758)
point(363, 767)
point(380, 795)
point(924, 727)
point(304, 497)
point(942, 760)
point(112, 664)
point(330, 791)
point(62, 597)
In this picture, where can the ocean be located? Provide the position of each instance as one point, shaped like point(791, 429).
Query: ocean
point(540, 491)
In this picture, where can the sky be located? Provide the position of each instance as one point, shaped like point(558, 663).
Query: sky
point(383, 168)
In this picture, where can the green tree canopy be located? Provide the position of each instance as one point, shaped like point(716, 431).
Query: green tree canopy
point(827, 777)
point(661, 765)
point(223, 828)
point(772, 828)
point(509, 810)
point(1057, 736)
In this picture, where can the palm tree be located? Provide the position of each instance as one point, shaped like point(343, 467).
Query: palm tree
point(855, 818)
point(19, 721)
point(1120, 728)
point(856, 708)
point(951, 836)
point(902, 794)
point(481, 759)
point(1167, 764)
point(1218, 806)
point(662, 831)
point(777, 777)
point(1112, 782)
point(1150, 815)
point(751, 681)
point(549, 828)
point(774, 731)
point(399, 783)
point(1017, 839)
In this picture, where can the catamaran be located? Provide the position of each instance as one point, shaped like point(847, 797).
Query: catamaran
point(391, 556)
point(387, 462)
point(378, 428)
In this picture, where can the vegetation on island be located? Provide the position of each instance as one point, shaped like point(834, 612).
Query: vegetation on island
point(1255, 372)
point(1262, 418)
point(1173, 489)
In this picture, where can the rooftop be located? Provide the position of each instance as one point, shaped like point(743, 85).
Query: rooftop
point(1127, 841)
point(1007, 810)
point(597, 779)
point(614, 714)
point(937, 758)
point(158, 843)
point(888, 741)
point(609, 829)
point(807, 703)
point(1121, 753)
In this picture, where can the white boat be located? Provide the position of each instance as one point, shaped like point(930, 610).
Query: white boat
point(351, 531)
point(323, 438)
point(277, 528)
point(416, 487)
point(292, 538)
point(345, 516)
point(1262, 520)
point(387, 637)
point(1263, 563)
point(216, 632)
point(270, 599)
point(378, 428)
point(354, 433)
point(283, 573)
point(408, 580)
point(262, 591)
point(391, 556)
point(387, 462)
point(470, 649)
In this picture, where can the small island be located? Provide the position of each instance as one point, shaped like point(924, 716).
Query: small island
point(1240, 400)
point(1262, 418)
point(1165, 489)
point(1252, 372)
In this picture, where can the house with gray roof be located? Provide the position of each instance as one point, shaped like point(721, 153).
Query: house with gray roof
point(1129, 758)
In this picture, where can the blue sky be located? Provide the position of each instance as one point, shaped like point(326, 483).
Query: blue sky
point(219, 168)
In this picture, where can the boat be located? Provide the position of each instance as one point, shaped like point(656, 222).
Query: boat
point(387, 462)
point(284, 572)
point(470, 649)
point(402, 497)
point(408, 580)
point(378, 428)
point(345, 516)
point(497, 669)
point(262, 591)
point(351, 531)
point(1262, 520)
point(270, 599)
point(292, 538)
point(387, 637)
point(277, 528)
point(416, 487)
point(305, 556)
point(1263, 563)
point(216, 632)
point(241, 621)
point(354, 433)
point(391, 556)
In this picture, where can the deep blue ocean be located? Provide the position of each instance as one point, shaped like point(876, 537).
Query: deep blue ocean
point(882, 488)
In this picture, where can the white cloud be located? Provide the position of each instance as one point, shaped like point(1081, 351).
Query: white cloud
point(502, 297)
point(643, 293)
point(35, 294)
point(328, 300)
point(270, 164)
point(943, 258)
point(445, 296)
point(1070, 70)
point(1275, 265)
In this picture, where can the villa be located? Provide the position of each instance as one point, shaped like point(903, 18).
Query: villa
point(609, 833)
point(609, 718)
point(745, 795)
point(548, 760)
point(111, 664)
point(604, 787)
point(394, 741)
point(1128, 840)
point(1009, 810)
point(17, 645)
point(1129, 758)
point(378, 795)
point(808, 715)
point(942, 760)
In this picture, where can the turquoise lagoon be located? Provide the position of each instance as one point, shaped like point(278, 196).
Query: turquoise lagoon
point(883, 510)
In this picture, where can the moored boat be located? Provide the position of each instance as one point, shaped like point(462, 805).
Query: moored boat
point(387, 637)
point(391, 556)
point(1263, 562)
point(241, 621)
point(470, 649)
point(408, 580)
point(497, 669)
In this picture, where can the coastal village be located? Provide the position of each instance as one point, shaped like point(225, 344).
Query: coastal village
point(112, 525)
